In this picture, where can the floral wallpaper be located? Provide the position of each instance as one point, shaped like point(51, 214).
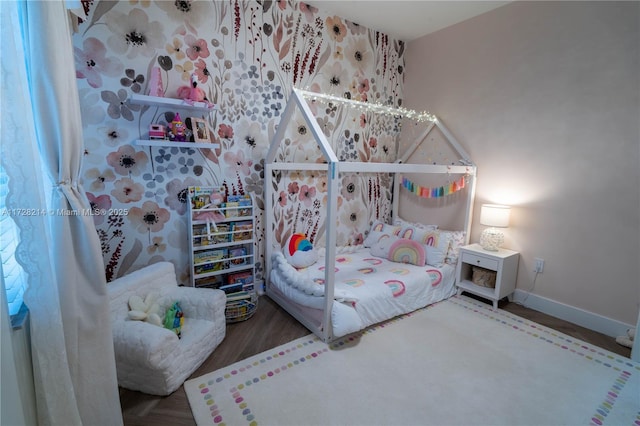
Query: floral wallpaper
point(246, 57)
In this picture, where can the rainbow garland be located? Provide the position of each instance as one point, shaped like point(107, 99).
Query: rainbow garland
point(441, 191)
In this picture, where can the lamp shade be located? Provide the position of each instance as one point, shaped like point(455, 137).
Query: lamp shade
point(495, 215)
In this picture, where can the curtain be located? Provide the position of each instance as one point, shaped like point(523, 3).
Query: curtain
point(71, 341)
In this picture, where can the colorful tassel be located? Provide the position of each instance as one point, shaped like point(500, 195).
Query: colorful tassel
point(441, 191)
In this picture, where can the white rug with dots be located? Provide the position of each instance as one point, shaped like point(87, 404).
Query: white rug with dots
point(457, 362)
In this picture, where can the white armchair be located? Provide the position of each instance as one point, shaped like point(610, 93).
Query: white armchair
point(152, 359)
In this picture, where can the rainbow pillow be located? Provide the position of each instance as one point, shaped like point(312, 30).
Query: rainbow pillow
point(400, 250)
point(299, 251)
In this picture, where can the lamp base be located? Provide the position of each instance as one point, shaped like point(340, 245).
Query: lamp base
point(491, 239)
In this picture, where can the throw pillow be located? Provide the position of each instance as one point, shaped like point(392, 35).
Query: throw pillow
point(400, 250)
point(299, 251)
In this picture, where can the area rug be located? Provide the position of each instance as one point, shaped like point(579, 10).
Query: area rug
point(457, 362)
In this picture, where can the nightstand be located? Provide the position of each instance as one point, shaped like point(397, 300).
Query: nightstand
point(504, 262)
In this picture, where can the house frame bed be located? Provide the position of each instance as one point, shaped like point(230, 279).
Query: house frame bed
point(334, 167)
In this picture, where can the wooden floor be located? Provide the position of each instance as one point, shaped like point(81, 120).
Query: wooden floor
point(271, 326)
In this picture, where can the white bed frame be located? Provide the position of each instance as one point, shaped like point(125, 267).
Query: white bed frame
point(334, 168)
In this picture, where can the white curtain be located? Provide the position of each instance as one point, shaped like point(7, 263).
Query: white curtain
point(72, 346)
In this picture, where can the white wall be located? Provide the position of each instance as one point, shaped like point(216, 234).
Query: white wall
point(545, 97)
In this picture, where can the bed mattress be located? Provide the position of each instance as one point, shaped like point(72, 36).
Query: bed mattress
point(367, 289)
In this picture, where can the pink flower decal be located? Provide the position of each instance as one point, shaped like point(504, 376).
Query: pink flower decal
point(307, 194)
point(92, 62)
point(127, 161)
point(225, 131)
point(197, 48)
point(293, 188)
point(151, 217)
point(363, 85)
point(237, 163)
point(177, 194)
point(127, 191)
point(282, 198)
point(337, 30)
point(99, 207)
point(99, 178)
point(305, 8)
point(202, 72)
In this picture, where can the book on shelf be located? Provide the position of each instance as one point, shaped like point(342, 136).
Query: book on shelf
point(222, 236)
point(207, 256)
point(239, 281)
point(237, 256)
point(214, 282)
point(240, 295)
point(244, 277)
point(242, 200)
point(209, 267)
point(203, 197)
point(210, 261)
point(241, 231)
point(236, 288)
point(238, 205)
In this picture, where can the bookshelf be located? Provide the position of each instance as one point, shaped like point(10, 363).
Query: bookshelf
point(222, 247)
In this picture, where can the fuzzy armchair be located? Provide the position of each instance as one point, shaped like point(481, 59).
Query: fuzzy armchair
point(152, 359)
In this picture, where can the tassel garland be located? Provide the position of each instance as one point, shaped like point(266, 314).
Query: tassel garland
point(441, 191)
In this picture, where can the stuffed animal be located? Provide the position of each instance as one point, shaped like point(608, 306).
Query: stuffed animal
point(211, 213)
point(174, 319)
point(628, 339)
point(192, 93)
point(145, 309)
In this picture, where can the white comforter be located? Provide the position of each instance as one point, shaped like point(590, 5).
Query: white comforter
point(367, 289)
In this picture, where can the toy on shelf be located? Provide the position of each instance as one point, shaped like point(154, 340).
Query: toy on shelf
point(178, 131)
point(193, 93)
point(210, 204)
point(157, 131)
point(155, 83)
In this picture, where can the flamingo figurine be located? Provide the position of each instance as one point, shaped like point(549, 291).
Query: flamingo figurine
point(192, 93)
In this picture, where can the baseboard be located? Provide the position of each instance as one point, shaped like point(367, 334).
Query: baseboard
point(578, 316)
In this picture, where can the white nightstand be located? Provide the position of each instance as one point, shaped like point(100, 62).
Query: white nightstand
point(504, 262)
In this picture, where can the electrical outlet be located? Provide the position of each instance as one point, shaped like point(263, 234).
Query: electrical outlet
point(539, 265)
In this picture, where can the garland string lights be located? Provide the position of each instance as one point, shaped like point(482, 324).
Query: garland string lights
point(366, 106)
point(437, 192)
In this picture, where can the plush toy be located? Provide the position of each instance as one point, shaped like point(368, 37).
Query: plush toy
point(145, 309)
point(628, 339)
point(192, 93)
point(174, 319)
point(299, 251)
point(211, 212)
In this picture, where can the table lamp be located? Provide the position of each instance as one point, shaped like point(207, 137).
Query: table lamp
point(494, 216)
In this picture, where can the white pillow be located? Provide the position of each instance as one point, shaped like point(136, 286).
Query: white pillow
point(377, 229)
point(403, 224)
point(457, 240)
point(436, 243)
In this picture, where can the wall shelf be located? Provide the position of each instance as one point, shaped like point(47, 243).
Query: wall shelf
point(169, 102)
point(178, 104)
point(168, 143)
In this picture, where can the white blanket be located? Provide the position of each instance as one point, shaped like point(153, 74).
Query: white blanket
point(368, 289)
